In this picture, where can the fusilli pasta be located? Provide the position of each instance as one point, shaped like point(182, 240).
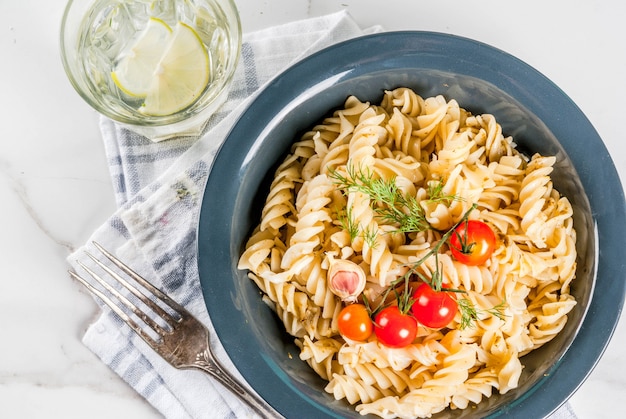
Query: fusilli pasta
point(416, 141)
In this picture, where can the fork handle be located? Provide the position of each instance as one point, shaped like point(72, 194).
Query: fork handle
point(207, 362)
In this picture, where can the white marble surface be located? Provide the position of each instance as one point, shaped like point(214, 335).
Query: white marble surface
point(56, 189)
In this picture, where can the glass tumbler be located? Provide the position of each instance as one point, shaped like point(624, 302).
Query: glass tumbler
point(159, 67)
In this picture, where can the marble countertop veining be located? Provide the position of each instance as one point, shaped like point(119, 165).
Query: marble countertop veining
point(56, 188)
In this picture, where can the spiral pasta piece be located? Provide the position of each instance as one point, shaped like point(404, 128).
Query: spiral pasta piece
point(405, 100)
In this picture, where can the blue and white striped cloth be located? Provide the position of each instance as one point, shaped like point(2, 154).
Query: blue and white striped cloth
point(158, 188)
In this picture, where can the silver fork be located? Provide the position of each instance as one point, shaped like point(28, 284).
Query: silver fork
point(178, 337)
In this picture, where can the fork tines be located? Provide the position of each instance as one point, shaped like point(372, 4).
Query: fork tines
point(168, 317)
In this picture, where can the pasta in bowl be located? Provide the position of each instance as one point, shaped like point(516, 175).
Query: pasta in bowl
point(434, 162)
point(510, 116)
point(446, 160)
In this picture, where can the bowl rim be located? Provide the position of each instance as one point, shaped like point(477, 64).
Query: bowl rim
point(323, 67)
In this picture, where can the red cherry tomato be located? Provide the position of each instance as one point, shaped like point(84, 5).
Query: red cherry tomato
point(354, 322)
point(394, 328)
point(434, 309)
point(472, 242)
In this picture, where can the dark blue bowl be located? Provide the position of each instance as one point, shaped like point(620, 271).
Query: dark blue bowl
point(539, 116)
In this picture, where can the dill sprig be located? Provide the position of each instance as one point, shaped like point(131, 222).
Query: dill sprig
point(348, 223)
point(436, 194)
point(369, 236)
point(390, 204)
point(470, 314)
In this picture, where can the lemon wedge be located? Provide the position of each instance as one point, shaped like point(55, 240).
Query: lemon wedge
point(180, 76)
point(134, 68)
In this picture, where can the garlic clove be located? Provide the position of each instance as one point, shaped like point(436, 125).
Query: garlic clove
point(346, 279)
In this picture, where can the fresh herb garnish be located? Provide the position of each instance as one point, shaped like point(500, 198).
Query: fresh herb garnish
point(470, 314)
point(390, 204)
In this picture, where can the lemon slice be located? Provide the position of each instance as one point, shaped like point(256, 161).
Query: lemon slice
point(181, 75)
point(134, 69)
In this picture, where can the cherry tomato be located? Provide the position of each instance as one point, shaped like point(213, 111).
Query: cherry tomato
point(354, 322)
point(394, 328)
point(434, 309)
point(472, 242)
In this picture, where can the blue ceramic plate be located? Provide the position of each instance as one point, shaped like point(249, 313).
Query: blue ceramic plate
point(539, 116)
